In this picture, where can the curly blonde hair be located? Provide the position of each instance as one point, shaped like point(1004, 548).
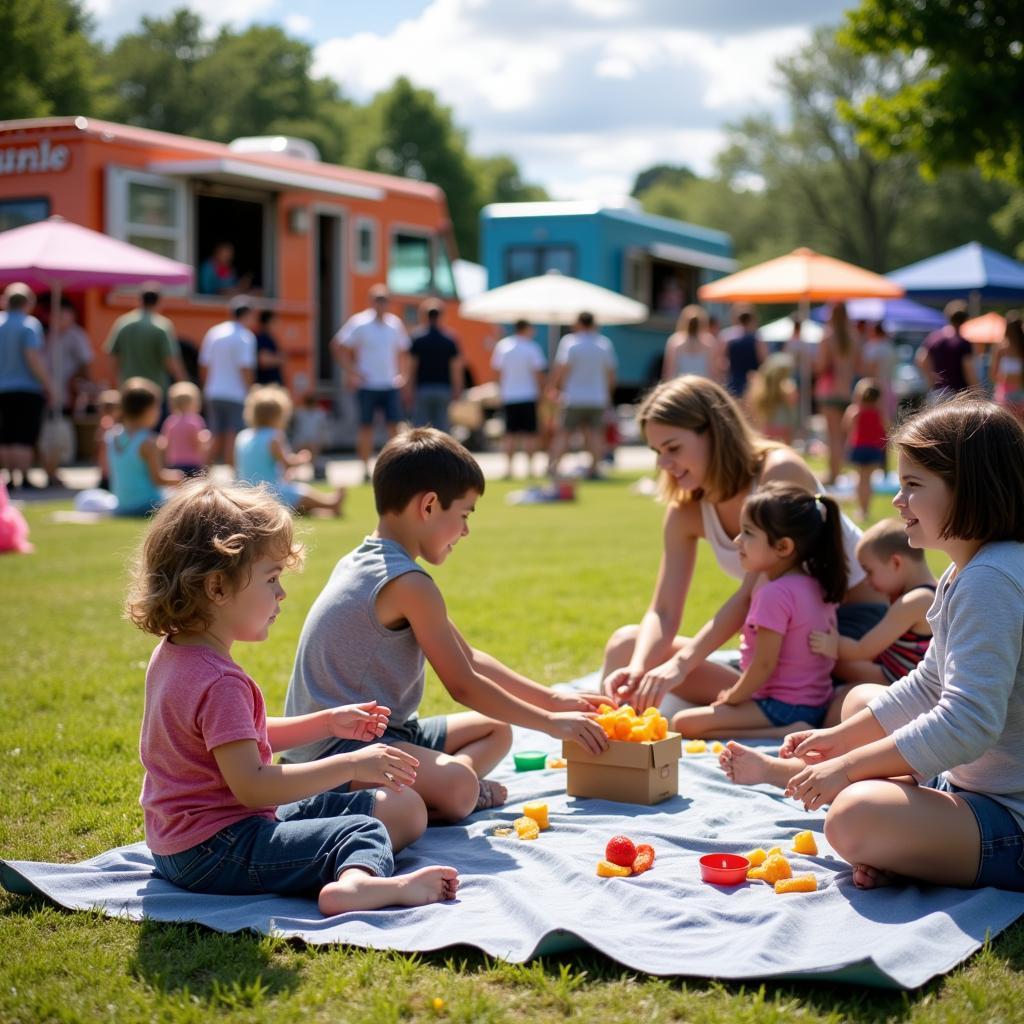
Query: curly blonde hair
point(204, 529)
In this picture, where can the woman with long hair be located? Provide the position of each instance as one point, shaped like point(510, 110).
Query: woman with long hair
point(711, 460)
point(692, 348)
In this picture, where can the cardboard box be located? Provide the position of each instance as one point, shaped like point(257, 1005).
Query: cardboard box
point(629, 773)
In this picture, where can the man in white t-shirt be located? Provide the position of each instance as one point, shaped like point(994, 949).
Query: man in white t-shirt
point(584, 373)
point(227, 365)
point(372, 349)
point(520, 364)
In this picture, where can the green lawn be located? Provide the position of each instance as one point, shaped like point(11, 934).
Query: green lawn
point(539, 587)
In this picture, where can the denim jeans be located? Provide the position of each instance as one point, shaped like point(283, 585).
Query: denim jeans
point(310, 844)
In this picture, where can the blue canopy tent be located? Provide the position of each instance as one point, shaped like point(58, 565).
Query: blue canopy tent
point(896, 314)
point(970, 272)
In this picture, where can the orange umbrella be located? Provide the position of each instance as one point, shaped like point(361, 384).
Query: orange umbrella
point(989, 329)
point(802, 276)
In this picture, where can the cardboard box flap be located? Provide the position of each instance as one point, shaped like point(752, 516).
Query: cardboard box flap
point(667, 750)
point(618, 755)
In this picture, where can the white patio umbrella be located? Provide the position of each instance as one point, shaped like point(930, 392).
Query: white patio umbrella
point(552, 299)
point(782, 330)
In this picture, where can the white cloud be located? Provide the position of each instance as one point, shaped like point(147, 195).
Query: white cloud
point(583, 95)
point(298, 24)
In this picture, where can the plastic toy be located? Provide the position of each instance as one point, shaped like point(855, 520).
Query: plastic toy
point(724, 868)
point(529, 760)
point(539, 812)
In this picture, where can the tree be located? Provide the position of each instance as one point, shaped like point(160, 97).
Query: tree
point(407, 132)
point(499, 181)
point(661, 174)
point(156, 75)
point(965, 106)
point(48, 60)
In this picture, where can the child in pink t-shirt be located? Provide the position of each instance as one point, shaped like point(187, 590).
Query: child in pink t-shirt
point(188, 440)
point(220, 816)
point(794, 541)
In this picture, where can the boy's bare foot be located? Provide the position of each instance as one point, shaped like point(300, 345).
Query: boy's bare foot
point(357, 889)
point(867, 877)
point(492, 794)
point(748, 766)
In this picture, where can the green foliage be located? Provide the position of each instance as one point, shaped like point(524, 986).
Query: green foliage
point(662, 174)
point(965, 106)
point(47, 59)
point(814, 182)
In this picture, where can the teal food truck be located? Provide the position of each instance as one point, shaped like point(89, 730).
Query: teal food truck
point(657, 260)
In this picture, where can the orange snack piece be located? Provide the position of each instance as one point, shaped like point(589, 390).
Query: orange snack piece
point(717, 747)
point(538, 810)
point(756, 857)
point(644, 859)
point(623, 728)
point(557, 762)
point(775, 852)
point(526, 828)
point(774, 868)
point(660, 727)
point(638, 733)
point(696, 747)
point(650, 713)
point(799, 883)
point(803, 842)
point(606, 869)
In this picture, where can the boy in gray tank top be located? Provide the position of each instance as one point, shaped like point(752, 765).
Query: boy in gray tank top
point(379, 618)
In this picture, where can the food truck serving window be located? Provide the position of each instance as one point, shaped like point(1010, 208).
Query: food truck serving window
point(523, 261)
point(16, 213)
point(147, 210)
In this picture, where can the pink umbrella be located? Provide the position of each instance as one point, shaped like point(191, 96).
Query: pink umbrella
point(56, 255)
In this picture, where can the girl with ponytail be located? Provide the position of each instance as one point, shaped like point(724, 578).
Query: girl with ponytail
point(794, 540)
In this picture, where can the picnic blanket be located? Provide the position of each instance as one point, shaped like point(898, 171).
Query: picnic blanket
point(519, 899)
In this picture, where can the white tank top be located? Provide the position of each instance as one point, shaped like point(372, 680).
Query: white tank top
point(696, 363)
point(728, 557)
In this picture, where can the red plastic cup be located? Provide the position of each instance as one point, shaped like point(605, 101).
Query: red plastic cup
point(724, 868)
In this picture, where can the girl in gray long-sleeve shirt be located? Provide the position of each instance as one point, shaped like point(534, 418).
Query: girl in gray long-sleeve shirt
point(955, 724)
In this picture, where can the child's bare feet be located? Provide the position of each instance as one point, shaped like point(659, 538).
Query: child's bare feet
point(356, 889)
point(492, 794)
point(867, 877)
point(748, 766)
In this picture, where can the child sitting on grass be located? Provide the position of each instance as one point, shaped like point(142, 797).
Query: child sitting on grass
point(888, 651)
point(135, 452)
point(262, 455)
point(220, 816)
point(188, 440)
point(795, 539)
point(925, 778)
point(367, 633)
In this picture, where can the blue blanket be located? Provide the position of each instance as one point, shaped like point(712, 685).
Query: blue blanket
point(519, 899)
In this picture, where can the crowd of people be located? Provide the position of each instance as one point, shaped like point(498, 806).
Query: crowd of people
point(852, 372)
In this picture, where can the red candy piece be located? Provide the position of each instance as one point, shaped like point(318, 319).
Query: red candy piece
point(620, 850)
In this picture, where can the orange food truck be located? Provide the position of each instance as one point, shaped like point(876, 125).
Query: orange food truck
point(311, 236)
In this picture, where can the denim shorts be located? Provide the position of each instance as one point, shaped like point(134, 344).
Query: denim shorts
point(866, 455)
point(309, 845)
point(778, 712)
point(420, 732)
point(224, 415)
point(1002, 842)
point(385, 400)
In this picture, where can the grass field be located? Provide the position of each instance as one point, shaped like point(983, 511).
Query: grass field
point(539, 587)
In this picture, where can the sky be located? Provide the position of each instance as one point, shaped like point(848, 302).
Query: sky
point(582, 93)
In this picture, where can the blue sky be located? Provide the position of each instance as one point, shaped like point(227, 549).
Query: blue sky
point(583, 93)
